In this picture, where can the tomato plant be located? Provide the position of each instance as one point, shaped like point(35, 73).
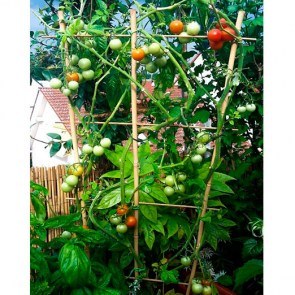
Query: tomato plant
point(73, 85)
point(241, 109)
point(176, 27)
point(170, 180)
point(169, 191)
point(131, 221)
point(250, 107)
point(154, 48)
point(151, 67)
point(88, 74)
point(196, 158)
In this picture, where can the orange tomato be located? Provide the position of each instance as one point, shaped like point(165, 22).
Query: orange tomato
point(138, 54)
point(72, 77)
point(131, 221)
point(227, 37)
point(122, 209)
point(176, 27)
point(76, 169)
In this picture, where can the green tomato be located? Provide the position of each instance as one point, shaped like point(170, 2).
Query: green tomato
point(87, 149)
point(145, 48)
point(169, 191)
point(170, 180)
point(115, 219)
point(55, 83)
point(251, 107)
point(160, 61)
point(201, 149)
point(88, 74)
point(90, 43)
point(66, 188)
point(196, 159)
point(241, 109)
point(185, 261)
point(183, 40)
point(73, 85)
point(72, 180)
point(145, 60)
point(197, 288)
point(193, 28)
point(181, 188)
point(154, 48)
point(181, 176)
point(121, 228)
point(115, 44)
point(151, 67)
point(98, 150)
point(207, 290)
point(66, 92)
point(74, 59)
point(84, 64)
point(105, 142)
point(66, 234)
point(203, 137)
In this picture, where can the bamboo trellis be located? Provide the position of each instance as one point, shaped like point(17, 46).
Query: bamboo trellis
point(135, 124)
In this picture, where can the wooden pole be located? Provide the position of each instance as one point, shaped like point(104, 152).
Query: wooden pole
point(231, 61)
point(134, 132)
point(71, 112)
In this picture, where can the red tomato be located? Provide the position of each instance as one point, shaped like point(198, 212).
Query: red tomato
point(176, 27)
point(122, 209)
point(214, 35)
point(223, 23)
point(72, 77)
point(227, 37)
point(131, 221)
point(216, 45)
point(137, 54)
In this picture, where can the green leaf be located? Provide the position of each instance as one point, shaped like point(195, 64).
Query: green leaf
point(148, 211)
point(54, 136)
point(38, 262)
point(249, 270)
point(39, 207)
point(201, 115)
point(55, 147)
point(149, 235)
point(125, 259)
point(62, 220)
point(112, 174)
point(68, 144)
point(144, 150)
point(157, 193)
point(175, 111)
point(258, 21)
point(220, 186)
point(225, 280)
point(214, 233)
point(172, 227)
point(158, 227)
point(169, 276)
point(222, 177)
point(215, 203)
point(111, 199)
point(252, 247)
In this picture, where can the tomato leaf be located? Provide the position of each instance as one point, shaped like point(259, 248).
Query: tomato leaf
point(201, 115)
point(111, 199)
point(62, 220)
point(149, 235)
point(172, 227)
point(169, 276)
point(157, 193)
point(148, 211)
point(112, 174)
point(220, 186)
point(55, 147)
point(54, 136)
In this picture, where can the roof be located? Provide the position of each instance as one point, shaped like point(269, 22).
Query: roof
point(60, 105)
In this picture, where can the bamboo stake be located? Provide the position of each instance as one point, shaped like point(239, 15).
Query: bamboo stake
point(134, 133)
point(72, 114)
point(208, 187)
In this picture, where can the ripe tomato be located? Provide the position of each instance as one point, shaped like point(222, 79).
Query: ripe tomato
point(138, 54)
point(216, 45)
point(122, 209)
point(76, 169)
point(121, 228)
point(131, 221)
point(185, 261)
point(214, 35)
point(176, 27)
point(223, 23)
point(72, 77)
point(227, 37)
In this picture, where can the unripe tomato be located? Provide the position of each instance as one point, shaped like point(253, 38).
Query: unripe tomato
point(197, 288)
point(182, 38)
point(66, 234)
point(65, 187)
point(181, 188)
point(203, 137)
point(227, 37)
point(73, 85)
point(74, 59)
point(151, 67)
point(160, 61)
point(216, 45)
point(207, 290)
point(201, 149)
point(131, 221)
point(72, 180)
point(214, 35)
point(185, 261)
point(176, 27)
point(241, 109)
point(137, 54)
point(250, 107)
point(170, 180)
point(181, 176)
point(145, 48)
point(196, 159)
point(193, 28)
point(145, 60)
point(121, 228)
point(98, 150)
point(169, 191)
point(115, 44)
point(154, 48)
point(84, 64)
point(105, 142)
point(55, 83)
point(76, 169)
point(88, 75)
point(66, 92)
point(115, 219)
point(72, 77)
point(159, 54)
point(87, 149)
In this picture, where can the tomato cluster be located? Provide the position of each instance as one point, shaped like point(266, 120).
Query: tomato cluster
point(174, 184)
point(72, 177)
point(217, 36)
point(200, 149)
point(250, 107)
point(98, 149)
point(201, 287)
